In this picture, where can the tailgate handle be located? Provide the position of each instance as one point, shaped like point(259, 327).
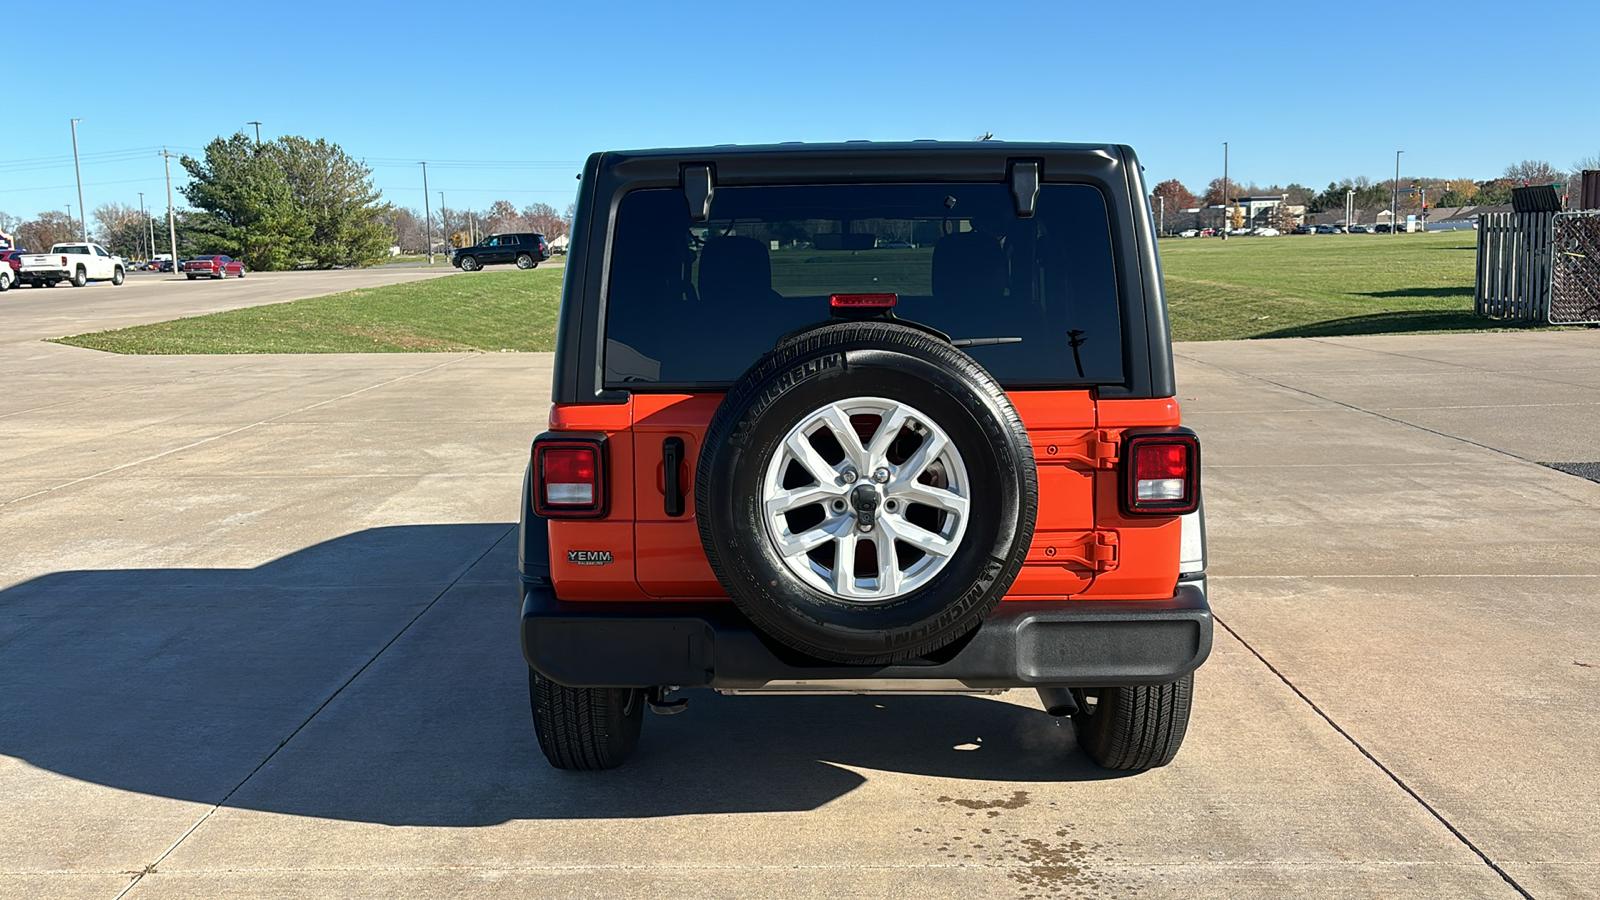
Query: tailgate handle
point(671, 462)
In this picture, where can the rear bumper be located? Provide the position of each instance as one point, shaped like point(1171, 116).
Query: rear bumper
point(42, 274)
point(1021, 644)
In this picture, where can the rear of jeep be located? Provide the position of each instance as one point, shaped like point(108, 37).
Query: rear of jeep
point(863, 418)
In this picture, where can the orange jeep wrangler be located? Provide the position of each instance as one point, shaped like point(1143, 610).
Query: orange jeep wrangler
point(864, 418)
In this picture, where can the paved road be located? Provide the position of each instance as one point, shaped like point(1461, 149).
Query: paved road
point(257, 639)
point(27, 314)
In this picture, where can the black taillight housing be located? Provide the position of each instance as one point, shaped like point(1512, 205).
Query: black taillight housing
point(1160, 472)
point(569, 476)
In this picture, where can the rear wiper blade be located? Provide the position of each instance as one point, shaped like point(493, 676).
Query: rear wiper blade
point(985, 342)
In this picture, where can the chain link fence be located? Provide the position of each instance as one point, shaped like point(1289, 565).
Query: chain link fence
point(1575, 269)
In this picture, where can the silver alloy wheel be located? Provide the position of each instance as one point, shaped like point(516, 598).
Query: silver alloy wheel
point(468, 264)
point(524, 261)
point(829, 493)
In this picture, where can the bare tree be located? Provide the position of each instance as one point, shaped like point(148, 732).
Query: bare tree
point(543, 218)
point(50, 228)
point(1535, 171)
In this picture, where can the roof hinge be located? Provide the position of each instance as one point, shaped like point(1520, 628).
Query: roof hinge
point(1025, 186)
point(698, 186)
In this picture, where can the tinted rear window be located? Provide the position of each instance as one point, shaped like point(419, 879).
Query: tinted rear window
point(693, 304)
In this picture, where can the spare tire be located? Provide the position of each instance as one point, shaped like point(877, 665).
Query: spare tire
point(866, 493)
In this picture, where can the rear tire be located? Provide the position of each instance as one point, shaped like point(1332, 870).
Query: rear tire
point(5, 279)
point(525, 261)
point(1134, 728)
point(585, 729)
point(80, 277)
point(191, 277)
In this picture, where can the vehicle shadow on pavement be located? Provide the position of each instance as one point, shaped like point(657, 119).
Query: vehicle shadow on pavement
point(303, 686)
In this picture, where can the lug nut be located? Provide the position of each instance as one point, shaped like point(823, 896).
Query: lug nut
point(849, 476)
point(881, 476)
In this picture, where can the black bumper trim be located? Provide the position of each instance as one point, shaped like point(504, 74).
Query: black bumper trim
point(1022, 644)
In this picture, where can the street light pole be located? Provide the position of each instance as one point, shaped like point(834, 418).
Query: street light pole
point(1162, 228)
point(79, 169)
point(1394, 200)
point(444, 220)
point(258, 131)
point(427, 214)
point(1224, 190)
point(172, 225)
point(142, 216)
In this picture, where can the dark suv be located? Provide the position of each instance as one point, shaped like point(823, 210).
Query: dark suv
point(864, 418)
point(527, 249)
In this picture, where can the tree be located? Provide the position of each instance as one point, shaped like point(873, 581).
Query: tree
point(543, 218)
point(1495, 192)
point(123, 230)
point(50, 228)
point(504, 217)
point(1213, 195)
point(1177, 196)
point(1534, 171)
point(1299, 194)
point(247, 209)
point(335, 199)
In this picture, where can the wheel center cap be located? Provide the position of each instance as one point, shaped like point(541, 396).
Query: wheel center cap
point(865, 499)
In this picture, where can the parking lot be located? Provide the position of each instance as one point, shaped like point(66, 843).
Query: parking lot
point(258, 638)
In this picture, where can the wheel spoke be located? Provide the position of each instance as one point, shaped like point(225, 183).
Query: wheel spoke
point(791, 544)
point(906, 473)
point(904, 529)
point(928, 495)
point(844, 565)
point(838, 422)
point(894, 419)
point(783, 501)
point(888, 565)
point(810, 460)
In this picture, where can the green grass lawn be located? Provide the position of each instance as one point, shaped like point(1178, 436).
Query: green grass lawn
point(489, 311)
point(1289, 286)
point(1320, 284)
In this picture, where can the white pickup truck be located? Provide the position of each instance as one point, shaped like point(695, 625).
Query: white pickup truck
point(77, 263)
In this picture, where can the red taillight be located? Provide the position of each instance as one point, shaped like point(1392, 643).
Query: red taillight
point(63, 260)
point(1161, 474)
point(569, 478)
point(863, 301)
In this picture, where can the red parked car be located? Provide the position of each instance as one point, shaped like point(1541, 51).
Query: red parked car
point(10, 264)
point(213, 267)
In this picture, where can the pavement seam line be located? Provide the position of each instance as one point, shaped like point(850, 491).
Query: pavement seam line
point(1439, 817)
point(314, 713)
point(1527, 373)
point(1374, 414)
point(218, 437)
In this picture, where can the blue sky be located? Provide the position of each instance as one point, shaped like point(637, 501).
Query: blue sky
point(519, 92)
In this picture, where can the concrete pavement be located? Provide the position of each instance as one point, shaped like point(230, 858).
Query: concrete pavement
point(257, 639)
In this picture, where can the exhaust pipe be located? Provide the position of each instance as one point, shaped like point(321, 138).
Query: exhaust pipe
point(1058, 701)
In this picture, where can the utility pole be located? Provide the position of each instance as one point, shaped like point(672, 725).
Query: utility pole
point(172, 225)
point(258, 132)
point(79, 169)
point(1394, 200)
point(1162, 228)
point(444, 220)
point(427, 215)
point(1225, 217)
